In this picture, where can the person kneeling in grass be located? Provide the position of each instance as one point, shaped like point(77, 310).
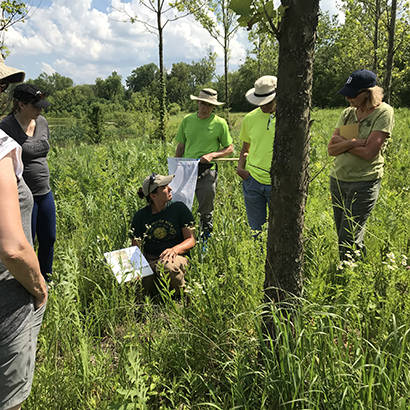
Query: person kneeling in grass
point(164, 232)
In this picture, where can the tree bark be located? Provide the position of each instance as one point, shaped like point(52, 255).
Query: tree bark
point(226, 51)
point(289, 171)
point(162, 107)
point(376, 35)
point(390, 52)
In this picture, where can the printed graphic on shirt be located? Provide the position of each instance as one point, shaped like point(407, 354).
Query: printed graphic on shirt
point(159, 231)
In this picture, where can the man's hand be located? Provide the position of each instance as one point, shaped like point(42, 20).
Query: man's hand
point(207, 158)
point(243, 173)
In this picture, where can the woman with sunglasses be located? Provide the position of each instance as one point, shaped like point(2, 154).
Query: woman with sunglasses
point(164, 232)
point(23, 291)
point(29, 128)
point(358, 144)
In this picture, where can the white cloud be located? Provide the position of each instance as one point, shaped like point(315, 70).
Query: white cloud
point(84, 43)
point(46, 68)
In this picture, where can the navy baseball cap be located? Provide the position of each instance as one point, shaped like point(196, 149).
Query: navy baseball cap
point(28, 93)
point(357, 81)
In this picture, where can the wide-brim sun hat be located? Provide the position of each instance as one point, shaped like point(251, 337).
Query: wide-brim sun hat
point(10, 74)
point(358, 81)
point(152, 182)
point(207, 95)
point(28, 93)
point(264, 90)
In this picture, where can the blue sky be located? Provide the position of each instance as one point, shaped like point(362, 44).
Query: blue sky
point(86, 39)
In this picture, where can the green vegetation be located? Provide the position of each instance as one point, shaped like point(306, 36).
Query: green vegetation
point(104, 346)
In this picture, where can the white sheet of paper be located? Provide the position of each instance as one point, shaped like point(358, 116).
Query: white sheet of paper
point(128, 264)
point(184, 184)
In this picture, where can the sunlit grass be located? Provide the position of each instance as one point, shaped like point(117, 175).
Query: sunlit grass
point(106, 346)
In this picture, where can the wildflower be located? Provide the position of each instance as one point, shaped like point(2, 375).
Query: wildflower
point(404, 260)
point(391, 257)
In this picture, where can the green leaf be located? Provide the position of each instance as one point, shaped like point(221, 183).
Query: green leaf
point(241, 7)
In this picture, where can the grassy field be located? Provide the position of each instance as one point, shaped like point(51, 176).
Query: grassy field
point(104, 346)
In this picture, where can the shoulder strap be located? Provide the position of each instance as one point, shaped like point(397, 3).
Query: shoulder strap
point(12, 128)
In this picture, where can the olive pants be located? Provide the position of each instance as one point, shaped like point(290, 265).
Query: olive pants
point(352, 204)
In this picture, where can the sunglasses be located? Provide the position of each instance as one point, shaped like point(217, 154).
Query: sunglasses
point(151, 181)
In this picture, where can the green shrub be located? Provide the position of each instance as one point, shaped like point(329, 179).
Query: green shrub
point(174, 109)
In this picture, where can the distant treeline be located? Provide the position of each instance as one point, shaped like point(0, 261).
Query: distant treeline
point(340, 49)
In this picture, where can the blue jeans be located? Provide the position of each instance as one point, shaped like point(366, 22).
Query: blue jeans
point(257, 197)
point(352, 204)
point(43, 224)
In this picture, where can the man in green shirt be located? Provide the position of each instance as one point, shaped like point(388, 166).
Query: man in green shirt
point(257, 132)
point(206, 136)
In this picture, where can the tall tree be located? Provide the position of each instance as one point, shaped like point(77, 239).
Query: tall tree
point(142, 77)
point(50, 83)
point(111, 88)
point(162, 13)
point(390, 51)
point(219, 20)
point(296, 32)
point(11, 12)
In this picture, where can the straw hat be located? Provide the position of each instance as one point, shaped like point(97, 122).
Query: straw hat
point(264, 91)
point(207, 95)
point(10, 74)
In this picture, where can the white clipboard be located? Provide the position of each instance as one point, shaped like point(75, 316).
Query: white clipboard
point(128, 264)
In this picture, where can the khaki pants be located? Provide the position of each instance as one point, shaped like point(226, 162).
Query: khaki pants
point(175, 270)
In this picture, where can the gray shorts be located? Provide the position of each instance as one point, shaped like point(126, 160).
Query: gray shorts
point(17, 358)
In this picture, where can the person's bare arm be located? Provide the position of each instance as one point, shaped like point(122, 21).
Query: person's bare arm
point(240, 170)
point(338, 144)
point(207, 158)
point(15, 251)
point(374, 143)
point(179, 152)
point(183, 247)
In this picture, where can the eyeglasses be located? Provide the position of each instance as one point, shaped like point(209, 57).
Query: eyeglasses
point(151, 181)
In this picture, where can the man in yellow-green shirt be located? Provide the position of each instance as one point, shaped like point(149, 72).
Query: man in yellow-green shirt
point(257, 133)
point(206, 136)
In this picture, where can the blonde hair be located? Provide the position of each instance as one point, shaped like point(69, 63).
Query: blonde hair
point(375, 97)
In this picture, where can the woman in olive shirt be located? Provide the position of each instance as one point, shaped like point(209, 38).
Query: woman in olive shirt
point(358, 143)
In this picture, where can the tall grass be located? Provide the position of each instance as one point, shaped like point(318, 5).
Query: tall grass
point(106, 346)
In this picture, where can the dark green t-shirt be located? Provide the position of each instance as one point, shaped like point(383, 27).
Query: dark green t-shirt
point(162, 230)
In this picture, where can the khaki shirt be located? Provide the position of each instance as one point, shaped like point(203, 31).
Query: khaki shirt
point(351, 168)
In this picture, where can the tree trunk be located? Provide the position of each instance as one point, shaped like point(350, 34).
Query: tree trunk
point(376, 35)
point(390, 52)
point(162, 106)
point(226, 51)
point(289, 171)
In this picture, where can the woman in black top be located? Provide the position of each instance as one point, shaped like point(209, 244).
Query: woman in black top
point(29, 128)
point(164, 231)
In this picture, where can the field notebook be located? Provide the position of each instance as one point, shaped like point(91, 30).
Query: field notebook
point(128, 264)
point(349, 131)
